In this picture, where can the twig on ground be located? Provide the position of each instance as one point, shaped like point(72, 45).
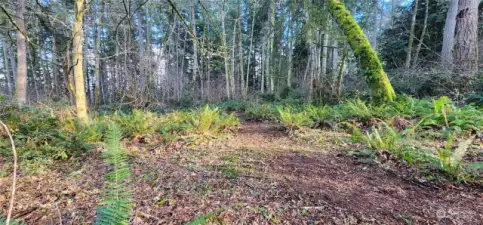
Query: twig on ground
point(14, 179)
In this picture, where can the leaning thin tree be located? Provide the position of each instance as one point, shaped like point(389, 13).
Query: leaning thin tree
point(375, 76)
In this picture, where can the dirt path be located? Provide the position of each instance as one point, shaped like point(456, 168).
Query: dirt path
point(258, 176)
point(289, 181)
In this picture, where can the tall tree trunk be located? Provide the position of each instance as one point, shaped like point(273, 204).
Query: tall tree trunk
point(411, 35)
point(13, 64)
point(68, 78)
point(254, 11)
point(466, 49)
point(423, 33)
point(21, 82)
point(290, 44)
point(48, 79)
point(7, 69)
point(225, 54)
point(341, 74)
point(55, 74)
point(448, 35)
point(375, 28)
point(117, 79)
point(149, 72)
point(271, 44)
point(232, 60)
point(125, 68)
point(77, 60)
point(375, 76)
point(335, 61)
point(325, 44)
point(97, 58)
point(240, 51)
point(262, 68)
point(140, 75)
point(311, 61)
point(33, 71)
point(195, 48)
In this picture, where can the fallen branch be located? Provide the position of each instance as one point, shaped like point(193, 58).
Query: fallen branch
point(14, 179)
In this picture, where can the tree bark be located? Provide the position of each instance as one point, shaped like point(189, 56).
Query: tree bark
point(325, 44)
point(466, 49)
point(407, 64)
point(225, 54)
point(21, 82)
point(7, 70)
point(55, 74)
point(240, 51)
point(448, 35)
point(254, 11)
point(375, 76)
point(77, 60)
point(271, 44)
point(97, 58)
point(335, 61)
point(340, 79)
point(232, 60)
point(291, 38)
point(310, 62)
point(195, 49)
point(13, 64)
point(423, 33)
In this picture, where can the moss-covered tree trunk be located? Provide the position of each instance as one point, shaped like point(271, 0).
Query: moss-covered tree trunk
point(77, 60)
point(375, 76)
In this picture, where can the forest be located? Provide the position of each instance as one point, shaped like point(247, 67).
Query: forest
point(241, 112)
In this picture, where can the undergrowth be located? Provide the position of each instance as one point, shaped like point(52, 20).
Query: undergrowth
point(42, 137)
point(400, 127)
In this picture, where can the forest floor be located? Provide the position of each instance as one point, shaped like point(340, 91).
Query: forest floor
point(260, 175)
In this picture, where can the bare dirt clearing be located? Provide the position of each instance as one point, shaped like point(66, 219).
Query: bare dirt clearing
point(259, 176)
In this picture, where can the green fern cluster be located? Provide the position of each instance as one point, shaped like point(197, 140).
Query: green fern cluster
point(208, 121)
point(205, 122)
point(446, 116)
point(451, 161)
point(115, 208)
point(380, 137)
point(293, 120)
point(138, 123)
point(260, 112)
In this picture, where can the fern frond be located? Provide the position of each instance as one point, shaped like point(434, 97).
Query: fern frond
point(115, 208)
point(460, 152)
